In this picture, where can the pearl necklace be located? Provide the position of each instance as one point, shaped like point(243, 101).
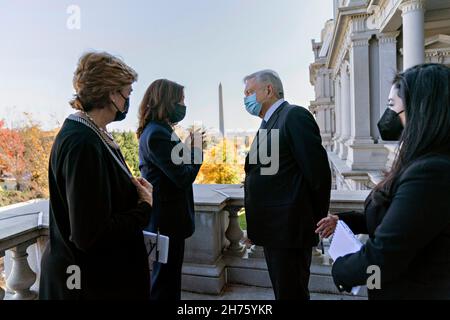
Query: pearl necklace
point(109, 135)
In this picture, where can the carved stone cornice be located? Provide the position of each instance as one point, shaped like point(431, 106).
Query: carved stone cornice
point(359, 42)
point(358, 23)
point(381, 12)
point(438, 55)
point(412, 5)
point(390, 37)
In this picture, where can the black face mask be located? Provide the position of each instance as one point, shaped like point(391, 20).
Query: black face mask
point(121, 115)
point(390, 125)
point(178, 114)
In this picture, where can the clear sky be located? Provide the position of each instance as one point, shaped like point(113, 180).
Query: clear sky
point(197, 43)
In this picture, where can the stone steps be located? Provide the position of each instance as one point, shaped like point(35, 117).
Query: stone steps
point(256, 275)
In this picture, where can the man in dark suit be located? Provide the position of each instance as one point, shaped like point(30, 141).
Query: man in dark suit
point(287, 196)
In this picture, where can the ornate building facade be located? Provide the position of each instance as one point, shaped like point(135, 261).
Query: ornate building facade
point(359, 52)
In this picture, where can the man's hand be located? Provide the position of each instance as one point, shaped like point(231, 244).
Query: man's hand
point(327, 225)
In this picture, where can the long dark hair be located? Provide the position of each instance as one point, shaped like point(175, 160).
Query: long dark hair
point(158, 102)
point(425, 92)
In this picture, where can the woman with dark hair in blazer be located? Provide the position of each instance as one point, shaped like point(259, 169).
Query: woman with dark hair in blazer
point(173, 202)
point(407, 216)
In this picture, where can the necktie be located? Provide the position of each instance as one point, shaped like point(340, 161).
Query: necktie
point(263, 125)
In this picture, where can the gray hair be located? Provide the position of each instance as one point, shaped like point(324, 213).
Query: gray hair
point(268, 77)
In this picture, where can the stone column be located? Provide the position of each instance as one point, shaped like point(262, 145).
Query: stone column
point(320, 118)
point(337, 112)
point(345, 111)
point(21, 277)
point(329, 130)
point(388, 65)
point(319, 85)
point(234, 233)
point(413, 14)
point(359, 91)
point(363, 153)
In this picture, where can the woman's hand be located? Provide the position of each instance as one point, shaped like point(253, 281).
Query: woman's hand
point(326, 226)
point(196, 138)
point(144, 190)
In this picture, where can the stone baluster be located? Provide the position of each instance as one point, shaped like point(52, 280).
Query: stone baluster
point(2, 291)
point(234, 233)
point(21, 277)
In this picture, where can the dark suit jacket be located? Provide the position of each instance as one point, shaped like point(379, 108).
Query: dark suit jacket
point(173, 200)
point(409, 236)
point(283, 209)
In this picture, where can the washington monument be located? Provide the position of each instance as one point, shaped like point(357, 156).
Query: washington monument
point(221, 122)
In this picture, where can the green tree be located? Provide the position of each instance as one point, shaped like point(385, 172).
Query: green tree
point(129, 145)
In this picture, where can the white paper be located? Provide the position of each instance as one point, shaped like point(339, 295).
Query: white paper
point(344, 242)
point(157, 246)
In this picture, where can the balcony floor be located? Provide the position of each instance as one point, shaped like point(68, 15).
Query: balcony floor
point(239, 292)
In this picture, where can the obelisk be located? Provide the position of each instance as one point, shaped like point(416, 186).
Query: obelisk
point(221, 120)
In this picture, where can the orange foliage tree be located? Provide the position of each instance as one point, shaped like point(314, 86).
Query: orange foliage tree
point(12, 151)
point(37, 146)
point(221, 165)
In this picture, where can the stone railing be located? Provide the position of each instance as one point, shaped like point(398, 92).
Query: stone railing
point(23, 234)
point(214, 255)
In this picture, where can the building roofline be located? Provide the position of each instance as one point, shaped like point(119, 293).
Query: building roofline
point(343, 14)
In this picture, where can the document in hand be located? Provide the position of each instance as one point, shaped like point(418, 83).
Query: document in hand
point(157, 246)
point(344, 242)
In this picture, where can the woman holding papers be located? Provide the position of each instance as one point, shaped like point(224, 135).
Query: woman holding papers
point(171, 167)
point(407, 216)
point(98, 210)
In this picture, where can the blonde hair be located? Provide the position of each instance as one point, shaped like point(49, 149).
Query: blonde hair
point(97, 75)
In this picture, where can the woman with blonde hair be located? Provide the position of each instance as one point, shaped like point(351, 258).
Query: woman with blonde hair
point(97, 208)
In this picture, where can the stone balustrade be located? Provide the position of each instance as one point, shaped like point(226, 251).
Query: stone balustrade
point(214, 255)
point(23, 233)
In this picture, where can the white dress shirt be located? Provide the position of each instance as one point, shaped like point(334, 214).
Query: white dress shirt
point(272, 110)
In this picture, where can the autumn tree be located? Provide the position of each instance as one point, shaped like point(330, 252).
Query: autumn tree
point(38, 144)
point(12, 151)
point(221, 165)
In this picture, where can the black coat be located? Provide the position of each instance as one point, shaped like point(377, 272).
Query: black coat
point(409, 236)
point(173, 199)
point(95, 222)
point(282, 209)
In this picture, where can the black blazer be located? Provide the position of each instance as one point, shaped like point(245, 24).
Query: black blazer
point(173, 198)
point(282, 209)
point(95, 222)
point(409, 236)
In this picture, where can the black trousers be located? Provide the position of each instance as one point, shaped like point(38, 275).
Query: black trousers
point(166, 278)
point(289, 272)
